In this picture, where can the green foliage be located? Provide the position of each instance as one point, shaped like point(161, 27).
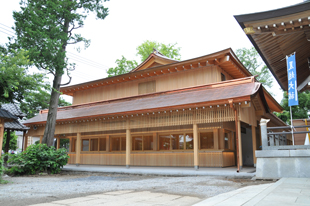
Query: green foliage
point(169, 50)
point(251, 60)
point(15, 82)
point(64, 143)
point(13, 141)
point(1, 168)
point(123, 66)
point(46, 27)
point(38, 158)
point(298, 112)
point(38, 100)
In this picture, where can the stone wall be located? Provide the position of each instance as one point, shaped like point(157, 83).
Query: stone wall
point(274, 164)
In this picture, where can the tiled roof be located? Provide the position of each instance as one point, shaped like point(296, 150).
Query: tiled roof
point(15, 125)
point(15, 110)
point(187, 97)
point(6, 114)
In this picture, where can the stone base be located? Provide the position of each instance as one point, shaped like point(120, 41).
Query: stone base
point(127, 166)
point(275, 164)
point(77, 165)
point(196, 167)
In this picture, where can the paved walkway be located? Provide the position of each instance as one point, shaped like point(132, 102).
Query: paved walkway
point(172, 171)
point(126, 197)
point(286, 191)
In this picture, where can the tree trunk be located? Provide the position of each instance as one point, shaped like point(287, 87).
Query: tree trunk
point(7, 145)
point(8, 138)
point(48, 137)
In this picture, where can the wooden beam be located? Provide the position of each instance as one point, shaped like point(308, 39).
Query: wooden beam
point(78, 149)
point(41, 137)
point(58, 143)
point(239, 144)
point(196, 154)
point(128, 147)
point(224, 59)
point(216, 138)
point(107, 139)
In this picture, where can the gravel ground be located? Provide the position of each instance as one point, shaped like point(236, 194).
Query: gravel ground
point(38, 189)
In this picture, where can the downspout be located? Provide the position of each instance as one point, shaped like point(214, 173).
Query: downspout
point(237, 132)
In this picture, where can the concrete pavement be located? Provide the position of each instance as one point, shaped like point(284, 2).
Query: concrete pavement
point(166, 171)
point(126, 197)
point(286, 191)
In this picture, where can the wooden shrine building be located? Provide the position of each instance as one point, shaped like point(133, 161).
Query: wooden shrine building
point(276, 34)
point(198, 112)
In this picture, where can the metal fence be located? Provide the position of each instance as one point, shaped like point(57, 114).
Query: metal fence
point(272, 139)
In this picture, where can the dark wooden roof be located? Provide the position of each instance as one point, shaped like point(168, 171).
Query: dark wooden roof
point(6, 114)
point(278, 33)
point(14, 109)
point(15, 125)
point(205, 95)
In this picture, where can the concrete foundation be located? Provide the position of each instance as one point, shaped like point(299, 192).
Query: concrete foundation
point(274, 164)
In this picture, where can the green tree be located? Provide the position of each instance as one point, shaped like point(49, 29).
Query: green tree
point(143, 51)
point(169, 50)
point(123, 66)
point(298, 112)
point(45, 28)
point(13, 141)
point(15, 81)
point(38, 100)
point(251, 60)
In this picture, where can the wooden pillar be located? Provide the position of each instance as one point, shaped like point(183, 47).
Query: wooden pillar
point(240, 144)
point(108, 143)
point(216, 138)
point(196, 153)
point(41, 137)
point(1, 134)
point(25, 142)
point(254, 143)
point(58, 143)
point(128, 144)
point(78, 149)
point(155, 142)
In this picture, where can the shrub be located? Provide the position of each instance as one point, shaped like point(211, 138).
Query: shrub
point(1, 167)
point(38, 158)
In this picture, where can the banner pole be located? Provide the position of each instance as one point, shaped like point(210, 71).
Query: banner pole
point(292, 125)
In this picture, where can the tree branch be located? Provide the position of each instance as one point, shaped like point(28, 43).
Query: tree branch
point(70, 78)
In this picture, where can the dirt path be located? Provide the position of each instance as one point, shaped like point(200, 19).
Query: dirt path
point(29, 190)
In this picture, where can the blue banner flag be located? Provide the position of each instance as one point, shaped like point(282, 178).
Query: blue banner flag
point(292, 80)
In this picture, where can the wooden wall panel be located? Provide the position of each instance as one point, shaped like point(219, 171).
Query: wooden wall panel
point(211, 159)
point(176, 80)
point(247, 115)
point(228, 159)
point(71, 159)
point(173, 159)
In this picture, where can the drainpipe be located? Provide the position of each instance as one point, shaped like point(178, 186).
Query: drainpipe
point(237, 132)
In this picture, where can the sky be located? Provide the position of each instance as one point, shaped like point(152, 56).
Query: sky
point(199, 27)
